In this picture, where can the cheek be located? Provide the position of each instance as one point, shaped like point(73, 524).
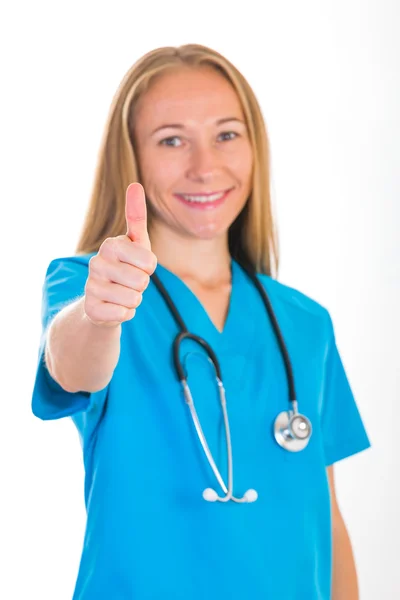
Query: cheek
point(159, 174)
point(241, 163)
point(247, 163)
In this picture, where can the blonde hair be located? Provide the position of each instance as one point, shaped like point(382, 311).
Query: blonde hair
point(252, 237)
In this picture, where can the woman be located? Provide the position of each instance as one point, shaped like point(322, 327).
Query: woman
point(161, 522)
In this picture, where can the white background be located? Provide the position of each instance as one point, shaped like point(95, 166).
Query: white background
point(327, 76)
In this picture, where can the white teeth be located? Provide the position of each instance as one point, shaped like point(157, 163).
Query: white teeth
point(211, 198)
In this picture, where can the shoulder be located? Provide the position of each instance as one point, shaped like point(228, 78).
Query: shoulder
point(74, 262)
point(64, 282)
point(68, 265)
point(296, 306)
point(292, 297)
point(66, 275)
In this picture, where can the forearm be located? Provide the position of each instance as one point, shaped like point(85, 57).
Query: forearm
point(81, 356)
point(344, 576)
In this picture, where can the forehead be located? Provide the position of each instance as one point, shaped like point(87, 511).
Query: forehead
point(200, 95)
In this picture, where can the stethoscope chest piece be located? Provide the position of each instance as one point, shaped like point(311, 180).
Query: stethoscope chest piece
point(292, 430)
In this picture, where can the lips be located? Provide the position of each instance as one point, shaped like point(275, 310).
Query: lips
point(204, 200)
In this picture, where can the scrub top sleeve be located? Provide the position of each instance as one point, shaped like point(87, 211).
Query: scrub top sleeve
point(64, 282)
point(343, 430)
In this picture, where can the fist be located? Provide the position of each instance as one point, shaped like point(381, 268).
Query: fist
point(120, 272)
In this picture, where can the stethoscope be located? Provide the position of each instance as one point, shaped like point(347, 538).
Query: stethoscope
point(291, 429)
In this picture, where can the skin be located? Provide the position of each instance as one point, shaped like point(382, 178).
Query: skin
point(344, 574)
point(192, 138)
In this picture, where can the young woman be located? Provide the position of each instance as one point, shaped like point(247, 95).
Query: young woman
point(186, 496)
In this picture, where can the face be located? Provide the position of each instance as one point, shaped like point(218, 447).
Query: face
point(194, 152)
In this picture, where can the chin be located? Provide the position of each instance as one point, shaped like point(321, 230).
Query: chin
point(208, 232)
point(213, 228)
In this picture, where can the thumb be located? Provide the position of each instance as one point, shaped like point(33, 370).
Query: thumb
point(136, 215)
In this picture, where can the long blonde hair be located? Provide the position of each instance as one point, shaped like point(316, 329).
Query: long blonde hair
point(253, 236)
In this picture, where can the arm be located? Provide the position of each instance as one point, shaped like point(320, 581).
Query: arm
point(80, 355)
point(344, 577)
point(83, 341)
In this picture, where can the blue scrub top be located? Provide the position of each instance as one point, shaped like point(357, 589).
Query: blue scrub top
point(149, 533)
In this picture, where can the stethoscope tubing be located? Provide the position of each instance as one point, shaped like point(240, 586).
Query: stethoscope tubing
point(184, 332)
point(283, 427)
point(202, 437)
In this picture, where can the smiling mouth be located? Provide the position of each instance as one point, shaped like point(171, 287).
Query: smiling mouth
point(212, 199)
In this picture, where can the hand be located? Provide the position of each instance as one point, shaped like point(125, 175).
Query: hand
point(120, 272)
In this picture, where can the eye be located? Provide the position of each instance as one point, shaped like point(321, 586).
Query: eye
point(173, 141)
point(226, 136)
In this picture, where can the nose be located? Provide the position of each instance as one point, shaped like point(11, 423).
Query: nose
point(203, 164)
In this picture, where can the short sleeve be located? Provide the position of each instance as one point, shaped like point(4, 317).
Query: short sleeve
point(343, 430)
point(64, 282)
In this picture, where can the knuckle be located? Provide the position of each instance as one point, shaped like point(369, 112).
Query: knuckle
point(133, 299)
point(152, 262)
point(93, 263)
point(149, 262)
point(90, 294)
point(119, 313)
point(96, 266)
point(94, 312)
point(90, 287)
point(104, 247)
point(129, 313)
point(138, 300)
point(109, 247)
point(143, 282)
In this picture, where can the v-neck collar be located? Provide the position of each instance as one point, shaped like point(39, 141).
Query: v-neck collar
point(195, 315)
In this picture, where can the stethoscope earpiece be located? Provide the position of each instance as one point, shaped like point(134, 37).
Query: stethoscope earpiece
point(251, 496)
point(211, 496)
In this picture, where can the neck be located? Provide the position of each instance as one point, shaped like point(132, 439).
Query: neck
point(206, 262)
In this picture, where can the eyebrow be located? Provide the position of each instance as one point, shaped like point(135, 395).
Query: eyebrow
point(180, 126)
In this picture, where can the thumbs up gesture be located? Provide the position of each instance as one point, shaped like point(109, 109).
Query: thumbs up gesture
point(120, 272)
